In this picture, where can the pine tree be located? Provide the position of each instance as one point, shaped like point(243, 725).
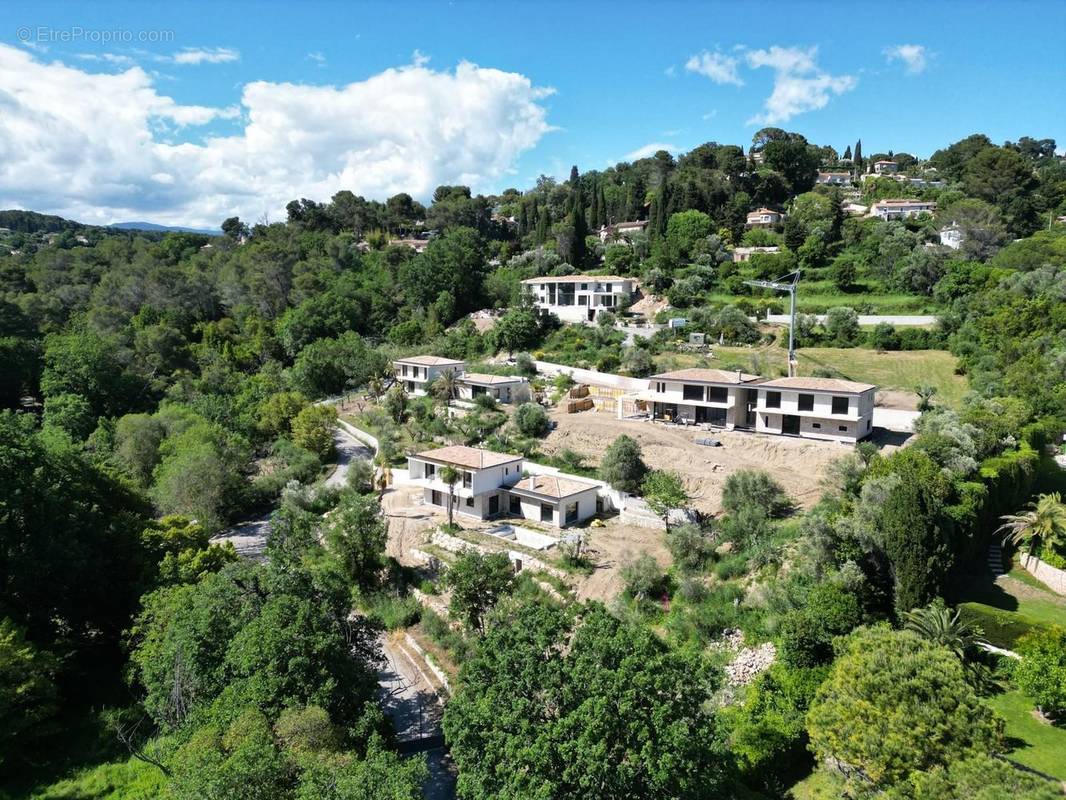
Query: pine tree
point(847, 153)
point(858, 154)
point(523, 220)
point(595, 212)
point(574, 175)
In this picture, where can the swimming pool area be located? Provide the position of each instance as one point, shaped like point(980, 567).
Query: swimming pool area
point(535, 540)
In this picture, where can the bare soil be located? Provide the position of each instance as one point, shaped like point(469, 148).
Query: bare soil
point(799, 465)
point(610, 548)
point(894, 398)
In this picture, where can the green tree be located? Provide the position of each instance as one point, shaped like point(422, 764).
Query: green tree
point(752, 488)
point(556, 704)
point(1041, 673)
point(356, 533)
point(531, 419)
point(623, 466)
point(477, 583)
point(1044, 522)
point(977, 778)
point(312, 429)
point(894, 705)
point(842, 325)
point(446, 386)
point(276, 413)
point(450, 476)
point(69, 413)
point(690, 546)
point(28, 697)
point(518, 329)
point(664, 491)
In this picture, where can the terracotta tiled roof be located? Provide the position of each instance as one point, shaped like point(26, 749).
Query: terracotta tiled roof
point(429, 361)
point(706, 376)
point(818, 385)
point(489, 380)
point(468, 457)
point(551, 486)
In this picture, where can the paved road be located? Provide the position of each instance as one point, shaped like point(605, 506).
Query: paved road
point(416, 711)
point(250, 537)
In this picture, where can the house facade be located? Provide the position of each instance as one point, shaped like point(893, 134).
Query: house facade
point(416, 373)
point(833, 178)
point(491, 484)
point(764, 218)
point(703, 396)
point(901, 209)
point(622, 230)
point(579, 298)
point(815, 408)
point(501, 388)
point(742, 254)
point(951, 236)
point(885, 167)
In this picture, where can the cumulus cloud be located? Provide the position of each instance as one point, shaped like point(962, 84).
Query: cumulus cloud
point(106, 147)
point(718, 67)
point(205, 55)
point(649, 150)
point(915, 58)
point(800, 85)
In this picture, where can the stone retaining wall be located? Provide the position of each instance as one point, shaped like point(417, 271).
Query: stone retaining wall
point(1052, 577)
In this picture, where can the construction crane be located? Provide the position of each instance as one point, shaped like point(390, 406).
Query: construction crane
point(786, 283)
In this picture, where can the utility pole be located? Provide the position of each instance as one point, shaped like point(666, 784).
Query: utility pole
point(786, 283)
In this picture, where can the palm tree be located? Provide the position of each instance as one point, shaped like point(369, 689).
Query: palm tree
point(938, 624)
point(446, 386)
point(1045, 521)
point(925, 394)
point(450, 476)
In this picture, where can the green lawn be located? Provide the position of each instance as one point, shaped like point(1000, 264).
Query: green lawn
point(1035, 744)
point(900, 370)
point(819, 785)
point(819, 299)
point(1010, 607)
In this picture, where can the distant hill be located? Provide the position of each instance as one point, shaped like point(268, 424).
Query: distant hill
point(151, 226)
point(32, 222)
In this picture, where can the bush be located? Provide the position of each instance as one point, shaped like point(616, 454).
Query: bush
point(754, 489)
point(691, 547)
point(842, 326)
point(524, 365)
point(391, 611)
point(312, 429)
point(623, 466)
point(531, 420)
point(731, 566)
point(643, 577)
point(1041, 673)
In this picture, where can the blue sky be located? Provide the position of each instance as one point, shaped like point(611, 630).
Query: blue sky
point(182, 137)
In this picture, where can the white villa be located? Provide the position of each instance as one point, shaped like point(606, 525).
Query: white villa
point(703, 396)
point(502, 388)
point(833, 178)
point(900, 209)
point(764, 218)
point(622, 230)
point(579, 298)
point(416, 373)
point(885, 167)
point(951, 236)
point(742, 254)
point(816, 408)
point(491, 484)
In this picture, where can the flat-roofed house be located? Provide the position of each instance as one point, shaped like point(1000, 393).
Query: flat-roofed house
point(764, 218)
point(503, 388)
point(833, 178)
point(815, 408)
point(579, 298)
point(901, 209)
point(703, 396)
point(742, 254)
point(952, 236)
point(416, 373)
point(491, 484)
point(622, 230)
point(885, 167)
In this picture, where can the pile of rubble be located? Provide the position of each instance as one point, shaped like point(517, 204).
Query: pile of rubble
point(748, 662)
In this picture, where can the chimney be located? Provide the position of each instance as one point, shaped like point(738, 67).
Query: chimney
point(740, 376)
point(532, 483)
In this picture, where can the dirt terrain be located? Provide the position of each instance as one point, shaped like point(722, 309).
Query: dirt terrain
point(797, 464)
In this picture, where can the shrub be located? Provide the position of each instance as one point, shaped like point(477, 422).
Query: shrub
point(643, 577)
point(524, 365)
point(623, 466)
point(750, 488)
point(1041, 673)
point(691, 547)
point(531, 420)
point(312, 429)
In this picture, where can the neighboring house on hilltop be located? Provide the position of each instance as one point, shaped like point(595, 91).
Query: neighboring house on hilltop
point(503, 388)
point(833, 178)
point(854, 209)
point(491, 484)
point(742, 254)
point(579, 298)
point(416, 373)
point(885, 167)
point(622, 230)
point(703, 396)
point(900, 209)
point(764, 218)
point(816, 408)
point(418, 245)
point(951, 236)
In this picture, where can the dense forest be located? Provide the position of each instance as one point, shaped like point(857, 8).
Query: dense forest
point(157, 388)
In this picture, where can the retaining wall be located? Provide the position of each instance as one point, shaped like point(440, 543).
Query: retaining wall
point(1053, 577)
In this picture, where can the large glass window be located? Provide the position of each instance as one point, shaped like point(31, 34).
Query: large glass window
point(806, 402)
point(547, 512)
point(571, 513)
point(691, 392)
point(773, 399)
point(718, 394)
point(840, 405)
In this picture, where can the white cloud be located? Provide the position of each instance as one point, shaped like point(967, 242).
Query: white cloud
point(110, 58)
point(718, 67)
point(649, 150)
point(205, 55)
point(405, 129)
point(800, 85)
point(318, 57)
point(915, 58)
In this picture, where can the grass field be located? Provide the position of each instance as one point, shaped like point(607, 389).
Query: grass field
point(1036, 744)
point(898, 370)
point(817, 297)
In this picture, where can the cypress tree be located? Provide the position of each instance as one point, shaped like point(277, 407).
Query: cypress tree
point(604, 216)
point(543, 224)
point(847, 153)
point(574, 175)
point(858, 154)
point(523, 220)
point(595, 212)
point(577, 219)
point(635, 204)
